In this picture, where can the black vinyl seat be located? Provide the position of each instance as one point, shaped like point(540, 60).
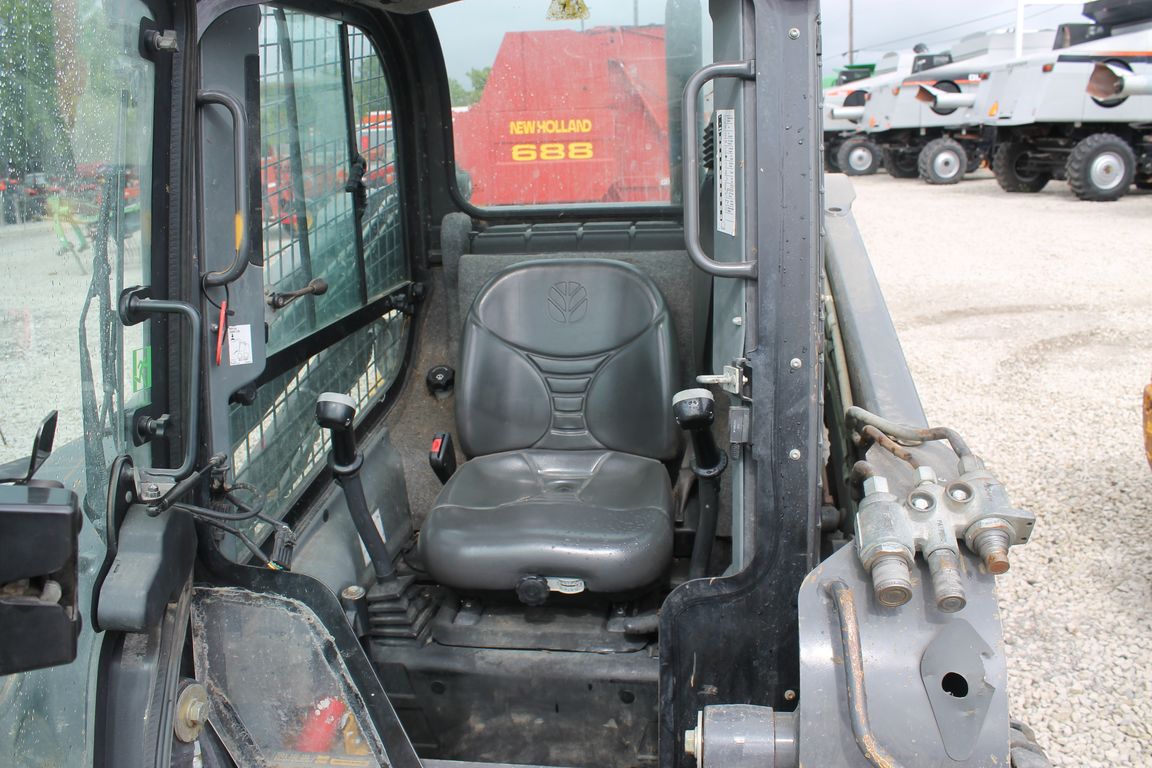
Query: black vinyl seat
point(563, 399)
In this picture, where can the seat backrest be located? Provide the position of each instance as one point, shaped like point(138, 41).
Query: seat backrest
point(672, 271)
point(568, 354)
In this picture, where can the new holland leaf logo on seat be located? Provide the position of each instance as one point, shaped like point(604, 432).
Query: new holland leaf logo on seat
point(567, 302)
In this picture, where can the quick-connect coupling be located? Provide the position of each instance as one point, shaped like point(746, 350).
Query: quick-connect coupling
point(885, 543)
point(892, 578)
point(990, 538)
point(947, 586)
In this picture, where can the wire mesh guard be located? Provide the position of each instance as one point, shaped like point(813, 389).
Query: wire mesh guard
point(324, 107)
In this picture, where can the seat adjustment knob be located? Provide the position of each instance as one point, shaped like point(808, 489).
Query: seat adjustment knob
point(532, 590)
point(440, 380)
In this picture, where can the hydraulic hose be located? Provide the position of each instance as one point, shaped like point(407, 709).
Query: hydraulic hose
point(708, 497)
point(915, 434)
point(890, 445)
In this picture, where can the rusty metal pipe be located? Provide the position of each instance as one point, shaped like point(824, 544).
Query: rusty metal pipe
point(890, 445)
point(845, 604)
point(862, 470)
point(916, 434)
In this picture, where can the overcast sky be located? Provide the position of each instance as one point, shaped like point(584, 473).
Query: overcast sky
point(886, 25)
point(470, 31)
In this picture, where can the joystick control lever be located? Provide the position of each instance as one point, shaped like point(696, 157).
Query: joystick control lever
point(336, 413)
point(695, 410)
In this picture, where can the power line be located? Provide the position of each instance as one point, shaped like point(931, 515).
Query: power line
point(932, 32)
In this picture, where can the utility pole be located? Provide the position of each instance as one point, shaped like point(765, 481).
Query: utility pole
point(851, 46)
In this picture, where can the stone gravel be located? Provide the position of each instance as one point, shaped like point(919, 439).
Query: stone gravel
point(1027, 323)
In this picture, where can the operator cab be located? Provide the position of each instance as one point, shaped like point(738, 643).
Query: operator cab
point(488, 332)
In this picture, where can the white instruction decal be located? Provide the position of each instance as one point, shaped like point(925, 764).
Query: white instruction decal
point(383, 536)
point(726, 171)
point(239, 344)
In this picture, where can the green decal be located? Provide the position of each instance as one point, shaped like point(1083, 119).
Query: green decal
point(141, 369)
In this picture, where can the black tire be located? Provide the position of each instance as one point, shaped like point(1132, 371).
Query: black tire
point(975, 160)
point(1100, 168)
point(830, 165)
point(1024, 752)
point(1007, 162)
point(942, 161)
point(858, 157)
point(900, 165)
point(1145, 183)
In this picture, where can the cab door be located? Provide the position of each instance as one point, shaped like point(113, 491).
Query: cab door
point(88, 208)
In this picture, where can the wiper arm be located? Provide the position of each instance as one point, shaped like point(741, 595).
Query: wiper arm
point(95, 416)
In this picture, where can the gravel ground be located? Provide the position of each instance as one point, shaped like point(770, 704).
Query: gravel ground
point(41, 293)
point(1026, 320)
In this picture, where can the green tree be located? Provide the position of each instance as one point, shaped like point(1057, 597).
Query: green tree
point(479, 78)
point(30, 124)
point(463, 97)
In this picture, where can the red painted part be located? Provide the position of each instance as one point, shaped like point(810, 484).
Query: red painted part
point(320, 726)
point(598, 99)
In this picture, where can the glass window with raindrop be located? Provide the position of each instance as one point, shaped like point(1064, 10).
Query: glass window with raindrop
point(76, 110)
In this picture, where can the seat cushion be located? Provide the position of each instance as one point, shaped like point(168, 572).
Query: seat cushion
point(602, 517)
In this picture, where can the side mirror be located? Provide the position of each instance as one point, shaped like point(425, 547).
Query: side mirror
point(42, 445)
point(41, 450)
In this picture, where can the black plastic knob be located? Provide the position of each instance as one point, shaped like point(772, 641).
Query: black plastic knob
point(337, 413)
point(532, 590)
point(695, 410)
point(440, 380)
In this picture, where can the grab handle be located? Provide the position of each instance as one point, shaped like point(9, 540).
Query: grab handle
point(240, 162)
point(690, 159)
point(134, 307)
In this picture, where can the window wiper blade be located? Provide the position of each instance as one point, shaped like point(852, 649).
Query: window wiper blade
point(96, 415)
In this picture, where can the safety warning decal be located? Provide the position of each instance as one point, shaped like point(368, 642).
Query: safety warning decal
point(239, 344)
point(726, 171)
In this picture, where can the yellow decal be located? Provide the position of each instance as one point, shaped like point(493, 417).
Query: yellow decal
point(239, 222)
point(526, 127)
point(575, 150)
point(567, 10)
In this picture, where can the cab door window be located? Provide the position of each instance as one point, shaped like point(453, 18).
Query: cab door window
point(309, 227)
point(330, 211)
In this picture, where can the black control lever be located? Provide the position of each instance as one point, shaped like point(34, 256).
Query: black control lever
point(336, 413)
point(316, 287)
point(695, 410)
